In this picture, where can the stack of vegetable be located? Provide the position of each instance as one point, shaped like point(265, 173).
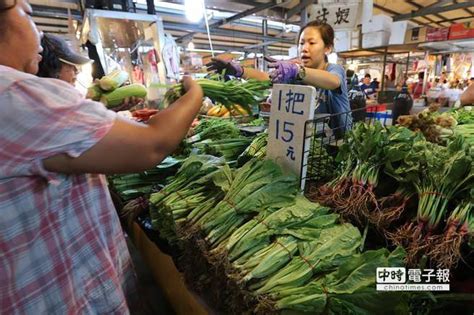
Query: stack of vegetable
point(216, 137)
point(130, 186)
point(256, 149)
point(111, 90)
point(252, 245)
point(230, 93)
point(384, 172)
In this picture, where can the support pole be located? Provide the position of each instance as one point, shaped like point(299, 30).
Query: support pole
point(425, 77)
point(408, 63)
point(264, 48)
point(383, 71)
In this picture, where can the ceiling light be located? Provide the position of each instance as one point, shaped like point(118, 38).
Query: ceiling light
point(194, 10)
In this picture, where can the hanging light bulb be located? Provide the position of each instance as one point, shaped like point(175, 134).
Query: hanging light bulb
point(194, 10)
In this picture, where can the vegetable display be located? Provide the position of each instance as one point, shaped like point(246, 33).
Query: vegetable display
point(228, 93)
point(261, 248)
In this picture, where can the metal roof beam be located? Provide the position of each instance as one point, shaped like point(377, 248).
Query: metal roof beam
point(395, 13)
point(419, 6)
point(230, 48)
point(236, 17)
point(434, 10)
point(223, 32)
point(49, 12)
point(466, 9)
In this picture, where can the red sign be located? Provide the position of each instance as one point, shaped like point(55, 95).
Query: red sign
point(437, 34)
point(461, 30)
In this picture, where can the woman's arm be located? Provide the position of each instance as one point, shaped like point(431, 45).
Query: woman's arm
point(131, 147)
point(250, 73)
point(322, 79)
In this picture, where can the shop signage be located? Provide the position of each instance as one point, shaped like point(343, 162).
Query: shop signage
point(340, 15)
point(292, 106)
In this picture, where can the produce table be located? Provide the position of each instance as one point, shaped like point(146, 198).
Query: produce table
point(166, 275)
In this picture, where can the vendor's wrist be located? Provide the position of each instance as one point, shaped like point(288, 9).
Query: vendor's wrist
point(301, 75)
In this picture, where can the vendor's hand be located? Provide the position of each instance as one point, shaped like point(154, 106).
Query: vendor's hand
point(231, 68)
point(284, 71)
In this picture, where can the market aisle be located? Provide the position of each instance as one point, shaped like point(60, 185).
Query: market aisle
point(153, 300)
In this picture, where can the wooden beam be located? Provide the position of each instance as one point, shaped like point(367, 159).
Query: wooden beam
point(428, 11)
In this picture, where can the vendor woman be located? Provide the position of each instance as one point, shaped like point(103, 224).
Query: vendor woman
point(316, 41)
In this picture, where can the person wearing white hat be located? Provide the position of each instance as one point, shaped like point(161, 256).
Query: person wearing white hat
point(60, 61)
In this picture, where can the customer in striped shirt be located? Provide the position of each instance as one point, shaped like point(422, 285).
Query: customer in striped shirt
point(62, 250)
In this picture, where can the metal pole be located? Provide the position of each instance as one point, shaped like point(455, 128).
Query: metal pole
point(425, 77)
point(408, 63)
point(207, 26)
point(264, 48)
point(150, 7)
point(383, 71)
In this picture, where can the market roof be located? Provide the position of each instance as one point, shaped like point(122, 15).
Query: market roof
point(237, 24)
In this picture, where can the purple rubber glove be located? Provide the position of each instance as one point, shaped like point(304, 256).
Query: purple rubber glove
point(231, 68)
point(284, 72)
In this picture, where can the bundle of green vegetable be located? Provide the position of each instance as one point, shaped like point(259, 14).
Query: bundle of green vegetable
point(466, 131)
point(194, 168)
point(246, 93)
point(348, 290)
point(130, 186)
point(361, 156)
point(464, 115)
point(439, 174)
point(446, 248)
point(256, 149)
point(229, 149)
point(256, 186)
point(207, 131)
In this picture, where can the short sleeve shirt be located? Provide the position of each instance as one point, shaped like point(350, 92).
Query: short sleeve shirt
point(62, 250)
point(336, 101)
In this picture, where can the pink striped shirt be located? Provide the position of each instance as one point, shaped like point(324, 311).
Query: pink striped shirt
point(62, 250)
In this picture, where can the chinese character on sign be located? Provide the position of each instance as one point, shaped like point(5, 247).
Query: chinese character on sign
point(384, 274)
point(342, 15)
point(428, 274)
point(322, 15)
point(442, 275)
point(414, 275)
point(292, 99)
point(291, 153)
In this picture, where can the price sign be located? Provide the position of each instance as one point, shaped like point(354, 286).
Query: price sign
point(292, 106)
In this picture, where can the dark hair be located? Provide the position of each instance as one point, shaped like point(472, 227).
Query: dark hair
point(367, 75)
point(50, 65)
point(421, 75)
point(326, 31)
point(349, 73)
point(5, 5)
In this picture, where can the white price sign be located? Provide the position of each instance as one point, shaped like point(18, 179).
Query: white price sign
point(292, 106)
